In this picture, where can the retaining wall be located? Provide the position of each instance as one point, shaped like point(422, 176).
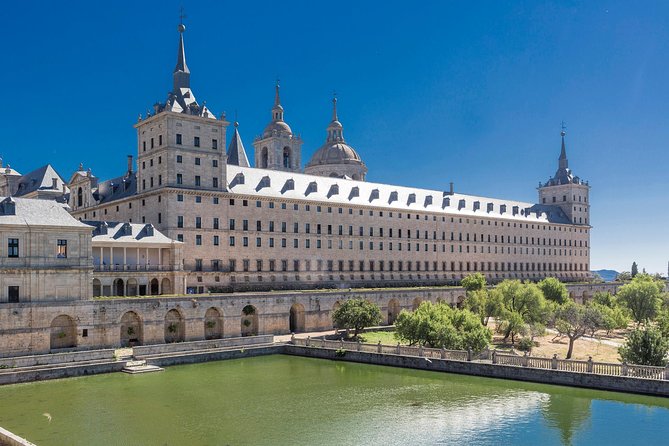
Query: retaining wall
point(556, 377)
point(9, 439)
point(146, 350)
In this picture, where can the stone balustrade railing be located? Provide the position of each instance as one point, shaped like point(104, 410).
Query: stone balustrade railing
point(495, 357)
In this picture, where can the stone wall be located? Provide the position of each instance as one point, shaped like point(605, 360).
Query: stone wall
point(43, 327)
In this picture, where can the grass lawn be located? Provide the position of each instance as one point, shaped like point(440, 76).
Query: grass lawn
point(386, 338)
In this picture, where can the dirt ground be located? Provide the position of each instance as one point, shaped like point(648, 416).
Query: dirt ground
point(600, 347)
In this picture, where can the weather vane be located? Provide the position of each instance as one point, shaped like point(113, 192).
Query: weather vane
point(564, 127)
point(182, 16)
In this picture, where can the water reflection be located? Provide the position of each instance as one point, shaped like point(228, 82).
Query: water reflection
point(566, 413)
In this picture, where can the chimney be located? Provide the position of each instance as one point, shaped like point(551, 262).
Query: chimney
point(129, 164)
point(54, 183)
point(450, 189)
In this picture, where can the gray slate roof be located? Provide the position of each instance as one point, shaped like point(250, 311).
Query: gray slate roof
point(47, 213)
point(133, 233)
point(236, 152)
point(117, 188)
point(41, 178)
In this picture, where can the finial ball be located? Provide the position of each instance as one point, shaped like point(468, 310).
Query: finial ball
point(181, 27)
point(563, 133)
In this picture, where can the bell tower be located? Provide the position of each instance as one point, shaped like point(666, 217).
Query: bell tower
point(278, 148)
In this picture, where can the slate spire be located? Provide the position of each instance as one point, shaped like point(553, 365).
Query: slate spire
point(236, 152)
point(181, 73)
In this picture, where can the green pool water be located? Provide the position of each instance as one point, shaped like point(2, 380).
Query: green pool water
point(284, 400)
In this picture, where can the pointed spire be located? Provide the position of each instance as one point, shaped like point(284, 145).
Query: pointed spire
point(564, 163)
point(181, 73)
point(334, 107)
point(236, 152)
point(277, 99)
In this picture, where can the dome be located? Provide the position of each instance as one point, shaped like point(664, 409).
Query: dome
point(335, 153)
point(278, 126)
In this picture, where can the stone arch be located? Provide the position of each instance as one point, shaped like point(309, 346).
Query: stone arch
point(132, 330)
point(213, 324)
point(297, 318)
point(287, 158)
point(166, 286)
point(460, 302)
point(416, 303)
point(119, 287)
point(63, 332)
point(586, 297)
point(154, 288)
point(132, 287)
point(249, 321)
point(97, 288)
point(175, 327)
point(393, 310)
point(264, 158)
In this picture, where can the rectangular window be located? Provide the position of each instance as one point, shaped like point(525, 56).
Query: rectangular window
point(232, 265)
point(62, 249)
point(196, 141)
point(214, 144)
point(232, 240)
point(214, 163)
point(215, 224)
point(197, 180)
point(160, 140)
point(13, 294)
point(198, 264)
point(180, 179)
point(197, 161)
point(180, 159)
point(214, 183)
point(180, 237)
point(180, 221)
point(13, 247)
point(231, 225)
point(215, 240)
point(198, 239)
point(198, 222)
point(179, 138)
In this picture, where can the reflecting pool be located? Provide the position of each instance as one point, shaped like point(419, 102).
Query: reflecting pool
point(277, 400)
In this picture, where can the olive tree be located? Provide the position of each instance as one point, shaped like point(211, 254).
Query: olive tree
point(554, 290)
point(643, 297)
point(440, 326)
point(645, 347)
point(521, 304)
point(575, 320)
point(356, 314)
point(474, 282)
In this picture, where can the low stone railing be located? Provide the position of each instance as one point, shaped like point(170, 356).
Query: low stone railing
point(495, 357)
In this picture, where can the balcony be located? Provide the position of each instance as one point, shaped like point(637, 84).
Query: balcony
point(133, 268)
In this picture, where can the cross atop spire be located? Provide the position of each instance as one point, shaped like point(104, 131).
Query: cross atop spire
point(564, 163)
point(277, 99)
point(182, 16)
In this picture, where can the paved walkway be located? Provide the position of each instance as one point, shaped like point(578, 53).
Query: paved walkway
point(313, 334)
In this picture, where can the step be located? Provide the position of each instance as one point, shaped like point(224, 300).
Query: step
point(145, 368)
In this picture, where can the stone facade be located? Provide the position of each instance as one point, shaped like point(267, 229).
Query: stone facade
point(272, 227)
point(44, 253)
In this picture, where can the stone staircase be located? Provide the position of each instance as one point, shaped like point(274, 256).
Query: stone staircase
point(135, 367)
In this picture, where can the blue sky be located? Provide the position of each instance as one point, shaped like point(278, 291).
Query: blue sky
point(429, 92)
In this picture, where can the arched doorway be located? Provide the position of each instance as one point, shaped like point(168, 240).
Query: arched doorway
point(249, 321)
point(153, 286)
point(296, 319)
point(63, 332)
point(335, 307)
point(416, 303)
point(97, 288)
point(132, 287)
point(393, 310)
point(166, 286)
point(131, 329)
point(119, 287)
point(175, 327)
point(213, 324)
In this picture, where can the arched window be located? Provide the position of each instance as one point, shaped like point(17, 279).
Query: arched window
point(80, 197)
point(286, 158)
point(264, 161)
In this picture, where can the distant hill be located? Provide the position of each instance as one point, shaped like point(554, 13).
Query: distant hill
point(607, 275)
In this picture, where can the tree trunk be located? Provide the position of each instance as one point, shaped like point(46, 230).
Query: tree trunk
point(571, 347)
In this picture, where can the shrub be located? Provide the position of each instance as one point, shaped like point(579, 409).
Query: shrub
point(525, 344)
point(474, 282)
point(645, 347)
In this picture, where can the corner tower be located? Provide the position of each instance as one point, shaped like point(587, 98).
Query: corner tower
point(181, 143)
point(567, 191)
point(278, 148)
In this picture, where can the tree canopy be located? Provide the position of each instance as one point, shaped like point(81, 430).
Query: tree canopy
point(356, 314)
point(554, 290)
point(522, 304)
point(643, 297)
point(474, 282)
point(440, 326)
point(645, 346)
point(575, 320)
point(484, 303)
